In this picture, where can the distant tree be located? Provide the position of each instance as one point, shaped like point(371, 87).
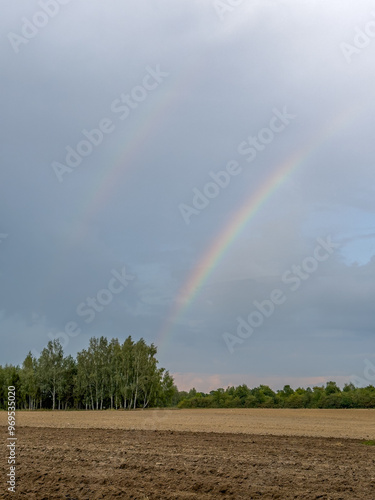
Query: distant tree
point(66, 384)
point(50, 369)
point(167, 391)
point(29, 386)
point(241, 393)
point(331, 388)
point(10, 376)
point(348, 387)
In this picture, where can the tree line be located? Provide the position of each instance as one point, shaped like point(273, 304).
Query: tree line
point(107, 374)
point(330, 396)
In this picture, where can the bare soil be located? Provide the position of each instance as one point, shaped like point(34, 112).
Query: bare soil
point(322, 423)
point(96, 455)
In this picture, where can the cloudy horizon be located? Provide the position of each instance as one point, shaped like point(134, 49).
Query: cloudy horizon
point(198, 174)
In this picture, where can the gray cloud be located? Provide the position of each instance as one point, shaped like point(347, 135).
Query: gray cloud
point(119, 207)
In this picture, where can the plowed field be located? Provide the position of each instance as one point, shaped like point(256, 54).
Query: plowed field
point(188, 454)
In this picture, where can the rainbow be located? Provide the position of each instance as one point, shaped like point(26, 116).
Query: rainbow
point(143, 124)
point(104, 184)
point(221, 244)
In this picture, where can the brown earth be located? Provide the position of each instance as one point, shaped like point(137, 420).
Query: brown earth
point(323, 423)
point(66, 455)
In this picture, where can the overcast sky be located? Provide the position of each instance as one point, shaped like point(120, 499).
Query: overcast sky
point(117, 119)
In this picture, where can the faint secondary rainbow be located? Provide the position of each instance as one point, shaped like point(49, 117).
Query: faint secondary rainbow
point(221, 244)
point(142, 127)
point(106, 182)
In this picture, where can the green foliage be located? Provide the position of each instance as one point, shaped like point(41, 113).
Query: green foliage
point(105, 375)
point(369, 443)
point(263, 396)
